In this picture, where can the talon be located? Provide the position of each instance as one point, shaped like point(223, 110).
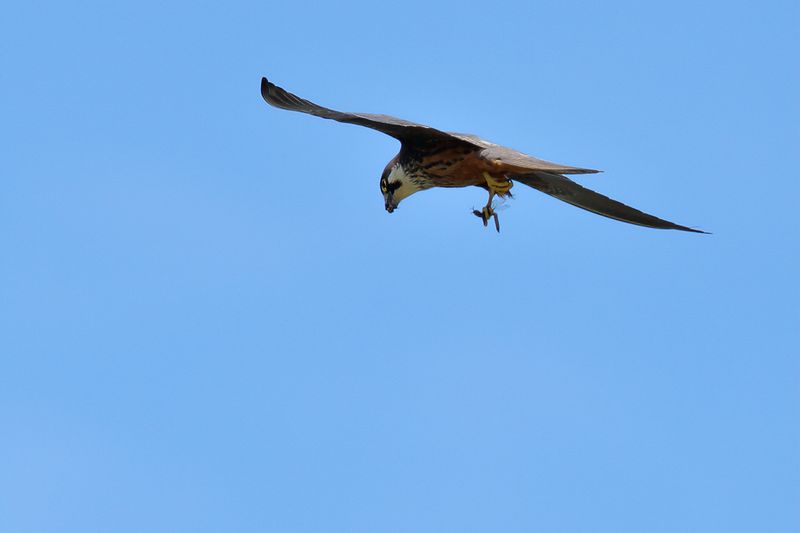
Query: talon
point(486, 214)
point(488, 211)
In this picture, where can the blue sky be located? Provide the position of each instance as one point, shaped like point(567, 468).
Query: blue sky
point(208, 322)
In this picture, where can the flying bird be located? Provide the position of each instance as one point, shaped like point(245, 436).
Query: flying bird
point(430, 158)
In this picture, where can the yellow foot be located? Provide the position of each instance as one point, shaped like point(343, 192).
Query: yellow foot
point(499, 186)
point(485, 214)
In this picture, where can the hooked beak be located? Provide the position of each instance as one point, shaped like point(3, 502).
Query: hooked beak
point(390, 205)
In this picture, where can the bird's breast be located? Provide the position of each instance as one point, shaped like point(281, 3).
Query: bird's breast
point(450, 167)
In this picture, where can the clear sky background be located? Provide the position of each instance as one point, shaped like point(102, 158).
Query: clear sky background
point(208, 322)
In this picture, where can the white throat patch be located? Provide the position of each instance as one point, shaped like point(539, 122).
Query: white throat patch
point(407, 186)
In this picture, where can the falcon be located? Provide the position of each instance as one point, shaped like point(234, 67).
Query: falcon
point(430, 158)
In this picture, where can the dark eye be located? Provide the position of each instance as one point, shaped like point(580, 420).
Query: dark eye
point(394, 186)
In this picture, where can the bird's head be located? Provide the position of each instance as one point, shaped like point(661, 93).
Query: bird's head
point(396, 185)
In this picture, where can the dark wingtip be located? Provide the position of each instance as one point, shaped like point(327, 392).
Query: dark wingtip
point(579, 170)
point(265, 88)
point(684, 228)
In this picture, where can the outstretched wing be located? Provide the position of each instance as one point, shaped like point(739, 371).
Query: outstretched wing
point(567, 190)
point(510, 161)
point(398, 128)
